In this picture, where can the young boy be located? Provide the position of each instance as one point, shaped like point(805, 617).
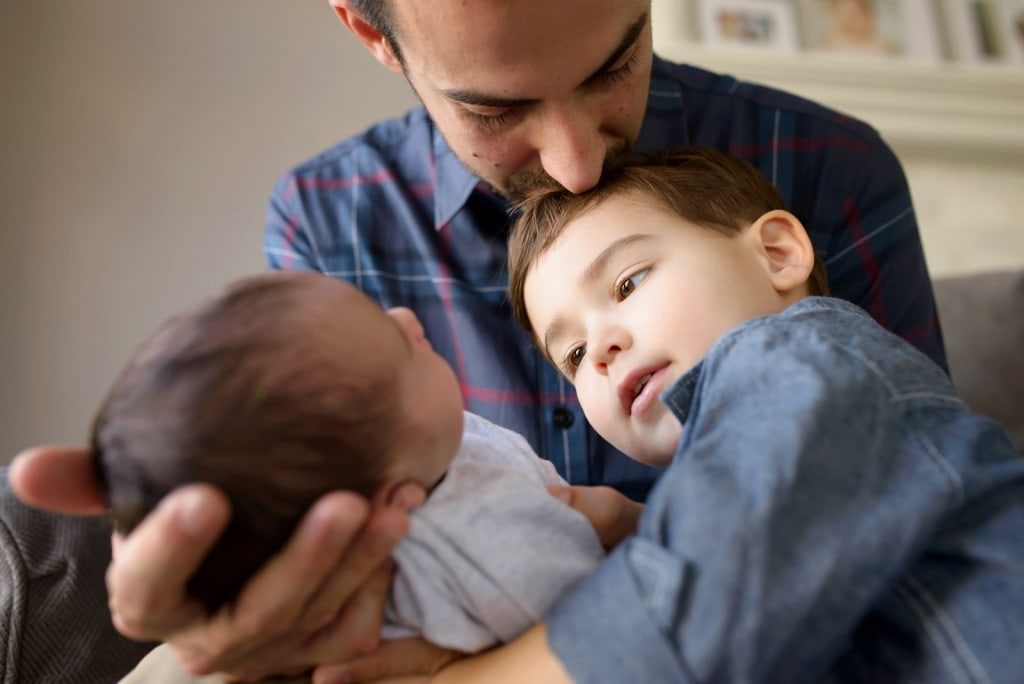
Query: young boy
point(291, 385)
point(831, 511)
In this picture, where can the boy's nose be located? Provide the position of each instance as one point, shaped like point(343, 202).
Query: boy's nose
point(607, 346)
point(604, 357)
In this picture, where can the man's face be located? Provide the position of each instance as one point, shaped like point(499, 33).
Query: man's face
point(630, 297)
point(531, 90)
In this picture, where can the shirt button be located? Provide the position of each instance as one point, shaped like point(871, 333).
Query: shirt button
point(562, 417)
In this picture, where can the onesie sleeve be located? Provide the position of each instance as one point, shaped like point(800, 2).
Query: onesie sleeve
point(483, 562)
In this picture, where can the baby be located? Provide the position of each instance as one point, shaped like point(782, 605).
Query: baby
point(831, 508)
point(292, 385)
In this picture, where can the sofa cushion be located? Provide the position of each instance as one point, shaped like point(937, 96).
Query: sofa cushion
point(982, 320)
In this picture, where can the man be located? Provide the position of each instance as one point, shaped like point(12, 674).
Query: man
point(413, 213)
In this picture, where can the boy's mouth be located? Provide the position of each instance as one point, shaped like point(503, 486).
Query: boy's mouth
point(639, 389)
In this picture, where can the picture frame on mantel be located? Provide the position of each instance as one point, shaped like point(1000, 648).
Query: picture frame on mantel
point(749, 24)
point(1011, 27)
point(980, 31)
point(875, 28)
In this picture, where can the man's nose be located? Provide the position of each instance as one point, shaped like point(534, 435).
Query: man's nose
point(571, 147)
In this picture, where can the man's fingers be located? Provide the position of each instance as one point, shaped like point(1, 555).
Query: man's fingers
point(371, 550)
point(56, 478)
point(274, 601)
point(355, 630)
point(392, 659)
point(147, 580)
point(323, 537)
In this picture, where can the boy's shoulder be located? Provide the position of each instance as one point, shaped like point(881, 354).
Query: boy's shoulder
point(827, 341)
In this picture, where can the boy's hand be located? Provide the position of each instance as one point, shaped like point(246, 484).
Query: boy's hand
point(321, 600)
point(613, 515)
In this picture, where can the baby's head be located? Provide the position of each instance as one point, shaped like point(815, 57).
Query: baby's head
point(283, 388)
point(627, 286)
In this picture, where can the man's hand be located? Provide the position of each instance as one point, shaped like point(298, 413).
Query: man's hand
point(320, 600)
point(613, 515)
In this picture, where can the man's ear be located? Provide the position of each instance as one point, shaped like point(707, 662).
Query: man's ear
point(371, 38)
point(786, 249)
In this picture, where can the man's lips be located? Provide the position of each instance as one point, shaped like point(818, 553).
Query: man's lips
point(639, 389)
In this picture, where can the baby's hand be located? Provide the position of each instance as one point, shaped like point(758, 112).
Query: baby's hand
point(613, 515)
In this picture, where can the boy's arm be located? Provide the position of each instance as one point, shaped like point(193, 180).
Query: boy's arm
point(794, 506)
point(527, 658)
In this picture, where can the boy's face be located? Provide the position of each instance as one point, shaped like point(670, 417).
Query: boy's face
point(631, 296)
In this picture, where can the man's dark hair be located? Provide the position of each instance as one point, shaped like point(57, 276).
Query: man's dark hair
point(379, 15)
point(709, 188)
point(241, 394)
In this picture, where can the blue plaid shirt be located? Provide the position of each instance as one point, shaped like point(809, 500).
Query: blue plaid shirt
point(394, 212)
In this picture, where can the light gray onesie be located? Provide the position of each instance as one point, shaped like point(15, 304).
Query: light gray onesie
point(490, 549)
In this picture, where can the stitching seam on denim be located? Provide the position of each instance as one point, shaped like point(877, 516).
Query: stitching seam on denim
point(948, 468)
point(952, 632)
point(928, 395)
point(955, 667)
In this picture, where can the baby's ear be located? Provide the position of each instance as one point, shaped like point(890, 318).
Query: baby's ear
point(786, 249)
point(404, 495)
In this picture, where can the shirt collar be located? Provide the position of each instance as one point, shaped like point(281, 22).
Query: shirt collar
point(679, 397)
point(453, 182)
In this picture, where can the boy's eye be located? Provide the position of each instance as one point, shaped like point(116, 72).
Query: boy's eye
point(628, 285)
point(575, 357)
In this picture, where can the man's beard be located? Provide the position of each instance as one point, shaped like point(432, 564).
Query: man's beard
point(522, 184)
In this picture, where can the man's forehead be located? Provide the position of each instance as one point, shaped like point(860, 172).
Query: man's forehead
point(511, 48)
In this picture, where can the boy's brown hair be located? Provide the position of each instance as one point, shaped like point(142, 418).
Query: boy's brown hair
point(244, 393)
point(706, 187)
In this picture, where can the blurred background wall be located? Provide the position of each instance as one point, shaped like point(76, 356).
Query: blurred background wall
point(138, 144)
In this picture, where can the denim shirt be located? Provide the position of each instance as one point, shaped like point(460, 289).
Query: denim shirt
point(834, 512)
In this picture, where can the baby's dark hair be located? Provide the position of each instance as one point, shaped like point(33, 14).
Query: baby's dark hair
point(241, 394)
point(709, 188)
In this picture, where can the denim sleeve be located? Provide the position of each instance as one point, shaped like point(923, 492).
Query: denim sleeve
point(793, 502)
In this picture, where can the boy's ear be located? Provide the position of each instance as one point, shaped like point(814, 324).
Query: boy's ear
point(786, 249)
point(371, 38)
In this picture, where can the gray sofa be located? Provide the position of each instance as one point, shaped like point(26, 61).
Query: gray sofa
point(54, 625)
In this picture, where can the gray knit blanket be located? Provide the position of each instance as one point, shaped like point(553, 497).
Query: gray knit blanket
point(54, 624)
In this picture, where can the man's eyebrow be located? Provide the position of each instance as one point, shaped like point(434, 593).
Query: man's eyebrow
point(593, 271)
point(478, 99)
point(628, 39)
